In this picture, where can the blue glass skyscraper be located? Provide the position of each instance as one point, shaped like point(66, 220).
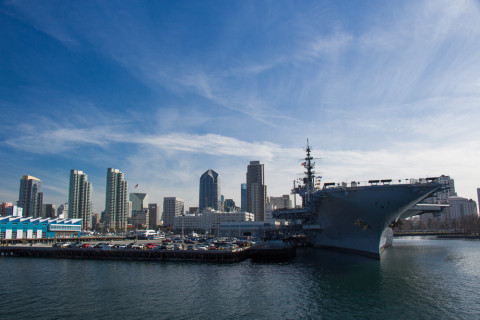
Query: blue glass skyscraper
point(243, 190)
point(209, 191)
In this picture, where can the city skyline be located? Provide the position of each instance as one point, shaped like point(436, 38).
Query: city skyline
point(164, 90)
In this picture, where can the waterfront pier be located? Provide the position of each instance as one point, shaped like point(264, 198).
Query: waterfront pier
point(217, 256)
point(129, 254)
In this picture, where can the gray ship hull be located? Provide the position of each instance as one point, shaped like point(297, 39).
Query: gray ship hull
point(356, 219)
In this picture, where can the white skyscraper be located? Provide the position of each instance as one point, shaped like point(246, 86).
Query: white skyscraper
point(80, 198)
point(116, 201)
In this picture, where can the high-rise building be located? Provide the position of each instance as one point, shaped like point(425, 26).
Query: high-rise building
point(80, 198)
point(140, 219)
point(116, 201)
point(209, 191)
point(139, 216)
point(172, 207)
point(5, 205)
point(30, 198)
point(256, 190)
point(243, 195)
point(139, 201)
point(153, 215)
point(461, 207)
point(282, 202)
point(447, 190)
point(62, 211)
point(95, 219)
point(8, 209)
point(49, 211)
point(193, 210)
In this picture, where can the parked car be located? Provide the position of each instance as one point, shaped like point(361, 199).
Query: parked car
point(150, 245)
point(85, 245)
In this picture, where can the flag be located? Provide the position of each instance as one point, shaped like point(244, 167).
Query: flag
point(136, 186)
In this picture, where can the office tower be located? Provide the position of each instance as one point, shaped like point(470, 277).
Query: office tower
point(139, 201)
point(460, 208)
point(116, 201)
point(256, 190)
point(95, 219)
point(172, 207)
point(243, 194)
point(5, 205)
point(153, 215)
point(442, 195)
point(62, 211)
point(8, 209)
point(138, 210)
point(30, 199)
point(193, 211)
point(282, 202)
point(49, 211)
point(209, 191)
point(80, 198)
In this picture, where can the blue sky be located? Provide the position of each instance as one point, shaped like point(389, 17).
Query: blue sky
point(165, 90)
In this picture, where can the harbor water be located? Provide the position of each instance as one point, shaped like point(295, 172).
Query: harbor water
point(417, 278)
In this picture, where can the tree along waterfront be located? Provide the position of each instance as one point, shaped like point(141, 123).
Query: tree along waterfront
point(465, 225)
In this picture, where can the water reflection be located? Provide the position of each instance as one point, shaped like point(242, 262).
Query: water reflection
point(417, 278)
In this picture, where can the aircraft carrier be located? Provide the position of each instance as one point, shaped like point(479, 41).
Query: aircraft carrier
point(354, 217)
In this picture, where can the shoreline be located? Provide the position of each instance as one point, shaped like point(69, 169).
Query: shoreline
point(439, 235)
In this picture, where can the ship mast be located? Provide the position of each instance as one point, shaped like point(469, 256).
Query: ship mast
point(310, 175)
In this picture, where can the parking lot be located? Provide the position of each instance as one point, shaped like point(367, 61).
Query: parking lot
point(169, 243)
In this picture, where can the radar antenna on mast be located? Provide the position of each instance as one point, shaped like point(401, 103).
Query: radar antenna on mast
point(307, 186)
point(309, 173)
point(309, 166)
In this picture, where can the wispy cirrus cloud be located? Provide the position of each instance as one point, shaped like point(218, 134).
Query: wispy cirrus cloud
point(57, 140)
point(42, 19)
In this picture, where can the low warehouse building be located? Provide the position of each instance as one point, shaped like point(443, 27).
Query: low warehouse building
point(14, 227)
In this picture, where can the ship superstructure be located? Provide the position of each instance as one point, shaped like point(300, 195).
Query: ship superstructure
point(354, 217)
